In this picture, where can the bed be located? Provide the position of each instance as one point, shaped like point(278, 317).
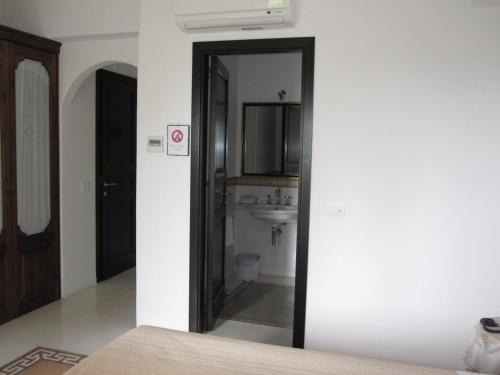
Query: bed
point(152, 351)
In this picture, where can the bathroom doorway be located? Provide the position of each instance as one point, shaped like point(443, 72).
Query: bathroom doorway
point(251, 163)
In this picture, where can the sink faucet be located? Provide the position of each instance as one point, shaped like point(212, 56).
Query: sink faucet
point(277, 194)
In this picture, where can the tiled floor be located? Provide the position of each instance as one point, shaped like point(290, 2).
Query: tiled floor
point(81, 323)
point(88, 320)
point(247, 330)
point(261, 303)
point(253, 332)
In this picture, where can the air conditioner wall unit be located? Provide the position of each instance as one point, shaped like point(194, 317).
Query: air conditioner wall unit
point(220, 15)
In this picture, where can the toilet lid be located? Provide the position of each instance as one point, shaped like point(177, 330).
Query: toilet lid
point(247, 259)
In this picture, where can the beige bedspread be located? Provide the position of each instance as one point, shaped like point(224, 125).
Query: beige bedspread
point(152, 351)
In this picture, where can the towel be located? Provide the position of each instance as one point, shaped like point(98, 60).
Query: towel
point(229, 231)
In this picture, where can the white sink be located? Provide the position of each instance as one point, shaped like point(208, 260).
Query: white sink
point(272, 213)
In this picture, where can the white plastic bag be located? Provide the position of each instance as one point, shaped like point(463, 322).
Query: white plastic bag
point(483, 353)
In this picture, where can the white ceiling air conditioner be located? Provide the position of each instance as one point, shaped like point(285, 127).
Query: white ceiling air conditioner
point(219, 15)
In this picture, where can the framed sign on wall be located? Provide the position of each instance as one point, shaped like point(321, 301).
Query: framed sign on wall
point(178, 140)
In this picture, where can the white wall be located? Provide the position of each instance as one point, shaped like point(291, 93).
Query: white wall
point(78, 190)
point(262, 76)
point(405, 135)
point(63, 19)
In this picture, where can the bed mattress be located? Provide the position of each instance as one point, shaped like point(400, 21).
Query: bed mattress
point(150, 350)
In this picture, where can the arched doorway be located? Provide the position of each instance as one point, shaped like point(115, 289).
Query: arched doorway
point(79, 188)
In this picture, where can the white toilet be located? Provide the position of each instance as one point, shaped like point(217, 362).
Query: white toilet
point(247, 266)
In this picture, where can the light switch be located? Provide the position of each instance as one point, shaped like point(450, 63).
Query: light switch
point(336, 210)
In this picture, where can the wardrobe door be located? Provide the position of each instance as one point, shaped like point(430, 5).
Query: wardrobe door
point(5, 279)
point(36, 185)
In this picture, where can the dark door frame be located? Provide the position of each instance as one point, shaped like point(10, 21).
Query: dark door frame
point(201, 53)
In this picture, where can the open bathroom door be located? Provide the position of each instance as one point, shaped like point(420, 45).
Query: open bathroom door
point(216, 191)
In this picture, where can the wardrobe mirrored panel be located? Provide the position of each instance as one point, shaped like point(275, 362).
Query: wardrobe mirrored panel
point(32, 146)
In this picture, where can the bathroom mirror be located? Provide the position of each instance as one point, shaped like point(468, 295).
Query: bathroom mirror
point(271, 139)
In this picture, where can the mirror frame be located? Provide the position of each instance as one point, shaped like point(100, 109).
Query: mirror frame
point(283, 106)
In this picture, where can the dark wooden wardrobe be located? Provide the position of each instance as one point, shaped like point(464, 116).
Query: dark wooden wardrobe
point(29, 199)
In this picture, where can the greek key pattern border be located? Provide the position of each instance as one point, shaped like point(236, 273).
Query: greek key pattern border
point(31, 358)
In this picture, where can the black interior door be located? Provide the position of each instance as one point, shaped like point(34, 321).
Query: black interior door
point(116, 102)
point(216, 184)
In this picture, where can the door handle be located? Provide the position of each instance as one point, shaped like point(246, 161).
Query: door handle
point(108, 184)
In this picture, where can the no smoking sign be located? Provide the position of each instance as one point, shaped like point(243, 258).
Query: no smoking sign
point(177, 136)
point(178, 140)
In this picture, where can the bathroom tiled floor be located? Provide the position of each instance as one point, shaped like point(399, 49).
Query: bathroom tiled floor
point(253, 332)
point(261, 303)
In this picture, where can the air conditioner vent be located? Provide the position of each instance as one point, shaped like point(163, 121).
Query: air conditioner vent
point(220, 15)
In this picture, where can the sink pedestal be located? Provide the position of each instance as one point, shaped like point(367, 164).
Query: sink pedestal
point(276, 233)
